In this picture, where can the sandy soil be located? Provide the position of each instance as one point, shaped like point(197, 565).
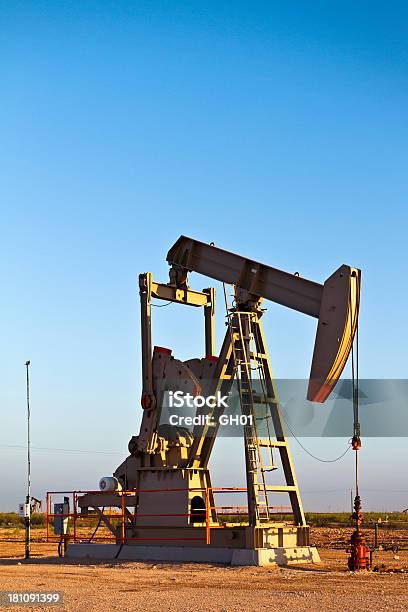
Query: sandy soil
point(194, 587)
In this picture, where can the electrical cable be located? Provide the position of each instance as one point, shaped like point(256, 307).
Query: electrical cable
point(319, 458)
point(311, 454)
point(162, 305)
point(119, 551)
point(98, 525)
point(60, 547)
point(60, 450)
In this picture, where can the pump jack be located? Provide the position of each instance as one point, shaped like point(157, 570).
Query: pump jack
point(168, 466)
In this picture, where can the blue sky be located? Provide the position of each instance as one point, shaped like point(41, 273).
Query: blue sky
point(277, 130)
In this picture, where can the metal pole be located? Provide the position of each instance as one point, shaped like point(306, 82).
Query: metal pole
point(28, 497)
point(123, 519)
point(209, 311)
point(47, 517)
point(207, 517)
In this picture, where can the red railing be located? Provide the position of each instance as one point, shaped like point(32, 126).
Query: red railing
point(118, 518)
point(74, 516)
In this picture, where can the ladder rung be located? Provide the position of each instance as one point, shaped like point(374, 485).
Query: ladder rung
point(267, 468)
point(267, 444)
point(280, 488)
point(271, 444)
point(259, 399)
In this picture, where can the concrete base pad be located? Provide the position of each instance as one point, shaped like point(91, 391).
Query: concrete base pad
point(190, 554)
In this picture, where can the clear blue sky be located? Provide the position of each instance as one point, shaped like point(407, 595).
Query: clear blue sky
point(278, 130)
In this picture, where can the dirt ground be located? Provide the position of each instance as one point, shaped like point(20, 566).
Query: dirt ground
point(195, 587)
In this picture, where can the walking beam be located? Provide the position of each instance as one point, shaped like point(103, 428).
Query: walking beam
point(335, 303)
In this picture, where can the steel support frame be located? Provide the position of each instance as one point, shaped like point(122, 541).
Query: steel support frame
point(149, 289)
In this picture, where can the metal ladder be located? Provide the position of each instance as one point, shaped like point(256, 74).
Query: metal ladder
point(251, 364)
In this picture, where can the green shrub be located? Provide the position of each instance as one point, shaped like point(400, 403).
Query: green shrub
point(12, 520)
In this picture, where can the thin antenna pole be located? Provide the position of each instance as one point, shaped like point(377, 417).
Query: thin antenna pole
point(28, 497)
